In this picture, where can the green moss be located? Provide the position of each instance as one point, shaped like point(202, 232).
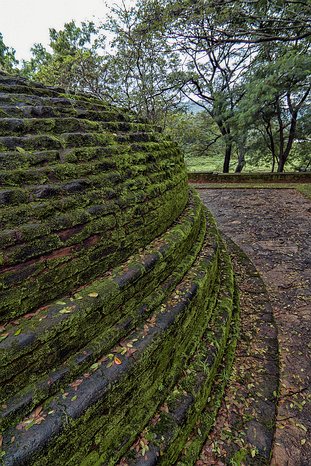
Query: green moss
point(162, 210)
point(104, 202)
point(149, 354)
point(179, 240)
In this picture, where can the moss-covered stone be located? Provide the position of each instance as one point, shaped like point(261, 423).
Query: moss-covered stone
point(113, 279)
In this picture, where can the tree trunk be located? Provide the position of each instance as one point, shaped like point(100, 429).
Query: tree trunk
point(227, 158)
point(240, 165)
point(225, 132)
point(285, 153)
point(281, 163)
point(241, 157)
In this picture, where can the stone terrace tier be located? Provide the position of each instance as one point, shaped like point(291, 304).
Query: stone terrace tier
point(118, 305)
point(82, 186)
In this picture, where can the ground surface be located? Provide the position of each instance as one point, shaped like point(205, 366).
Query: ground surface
point(273, 227)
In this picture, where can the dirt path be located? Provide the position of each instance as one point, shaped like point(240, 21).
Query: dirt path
point(273, 227)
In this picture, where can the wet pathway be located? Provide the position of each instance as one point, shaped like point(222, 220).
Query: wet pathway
point(273, 227)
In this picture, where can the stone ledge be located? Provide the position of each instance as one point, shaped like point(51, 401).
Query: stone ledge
point(61, 321)
point(164, 437)
point(174, 321)
point(288, 177)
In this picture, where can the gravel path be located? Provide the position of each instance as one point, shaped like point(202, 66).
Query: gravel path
point(273, 227)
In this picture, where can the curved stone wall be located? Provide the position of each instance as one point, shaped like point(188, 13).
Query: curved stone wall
point(83, 186)
point(117, 300)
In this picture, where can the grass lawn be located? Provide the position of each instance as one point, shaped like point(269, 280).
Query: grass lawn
point(304, 189)
point(215, 164)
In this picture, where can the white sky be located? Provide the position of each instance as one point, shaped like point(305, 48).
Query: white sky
point(24, 22)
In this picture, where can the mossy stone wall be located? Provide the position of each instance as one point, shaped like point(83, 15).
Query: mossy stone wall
point(83, 186)
point(118, 307)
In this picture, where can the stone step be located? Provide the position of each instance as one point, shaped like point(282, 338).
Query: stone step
point(61, 125)
point(74, 111)
point(90, 180)
point(164, 437)
point(63, 212)
point(19, 243)
point(206, 419)
point(64, 269)
point(72, 140)
point(29, 222)
point(20, 160)
point(16, 80)
point(68, 103)
point(33, 341)
point(121, 389)
point(62, 170)
point(19, 88)
point(37, 392)
point(246, 422)
point(113, 155)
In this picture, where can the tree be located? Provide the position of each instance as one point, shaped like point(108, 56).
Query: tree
point(196, 133)
point(214, 81)
point(211, 70)
point(142, 65)
point(236, 22)
point(8, 61)
point(75, 61)
point(133, 72)
point(276, 95)
point(218, 41)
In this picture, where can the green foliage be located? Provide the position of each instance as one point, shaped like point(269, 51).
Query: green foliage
point(197, 134)
point(247, 64)
point(233, 51)
point(74, 63)
point(276, 95)
point(8, 61)
point(142, 65)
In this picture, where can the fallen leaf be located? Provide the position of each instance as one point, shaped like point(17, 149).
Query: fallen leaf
point(94, 366)
point(39, 419)
point(93, 295)
point(37, 411)
point(29, 424)
point(164, 408)
point(117, 361)
point(67, 310)
point(29, 316)
point(301, 426)
point(76, 384)
point(3, 337)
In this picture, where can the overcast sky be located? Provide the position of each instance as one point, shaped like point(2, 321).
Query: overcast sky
point(24, 22)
